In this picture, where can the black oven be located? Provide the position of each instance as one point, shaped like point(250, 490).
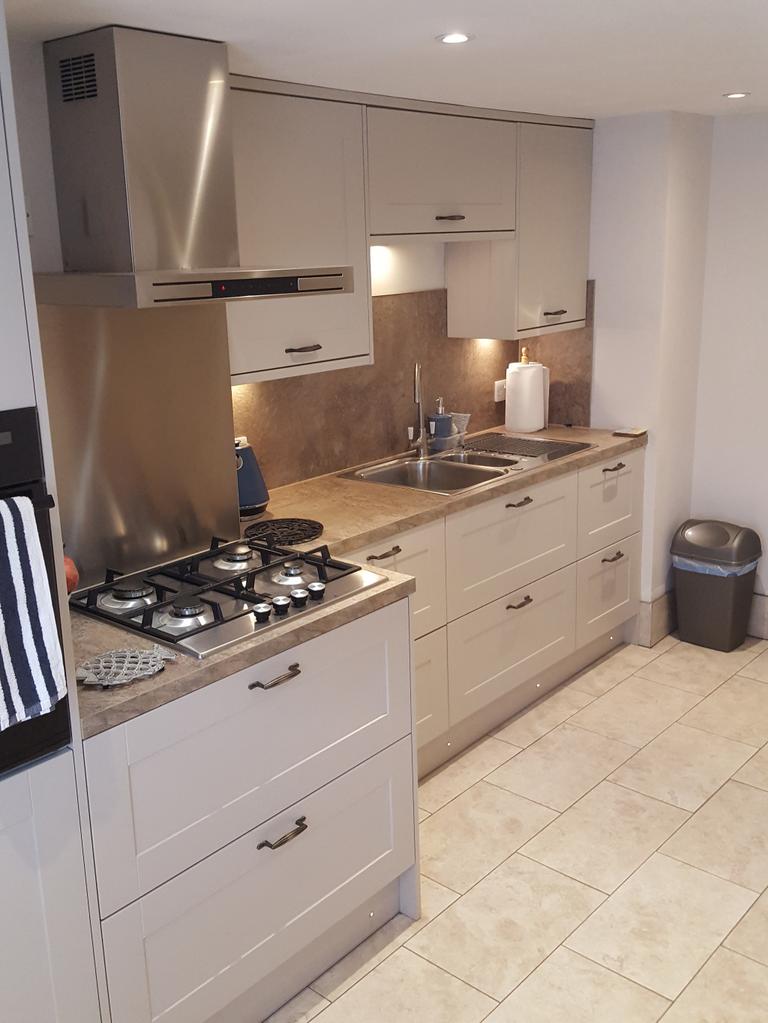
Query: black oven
point(22, 474)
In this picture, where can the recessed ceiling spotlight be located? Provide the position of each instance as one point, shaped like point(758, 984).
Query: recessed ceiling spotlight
point(452, 38)
point(735, 95)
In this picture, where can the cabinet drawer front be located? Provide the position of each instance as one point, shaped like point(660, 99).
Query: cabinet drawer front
point(608, 589)
point(185, 951)
point(428, 166)
point(418, 552)
point(610, 501)
point(172, 786)
point(495, 547)
point(498, 647)
point(430, 670)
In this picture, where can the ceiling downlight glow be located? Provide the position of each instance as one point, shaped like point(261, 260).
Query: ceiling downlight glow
point(735, 95)
point(453, 38)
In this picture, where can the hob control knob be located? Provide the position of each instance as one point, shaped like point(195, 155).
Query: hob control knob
point(299, 597)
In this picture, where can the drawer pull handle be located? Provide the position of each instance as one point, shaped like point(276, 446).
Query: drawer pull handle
point(387, 554)
point(523, 603)
point(555, 312)
point(301, 827)
point(303, 348)
point(520, 504)
point(616, 557)
point(293, 671)
point(615, 468)
point(451, 216)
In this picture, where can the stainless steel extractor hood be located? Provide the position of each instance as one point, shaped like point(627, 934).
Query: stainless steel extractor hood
point(142, 152)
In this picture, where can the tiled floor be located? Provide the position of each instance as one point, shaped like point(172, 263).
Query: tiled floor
point(602, 858)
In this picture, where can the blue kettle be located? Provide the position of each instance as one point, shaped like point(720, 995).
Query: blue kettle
point(251, 489)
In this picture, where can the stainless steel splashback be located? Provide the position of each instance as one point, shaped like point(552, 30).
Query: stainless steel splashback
point(141, 418)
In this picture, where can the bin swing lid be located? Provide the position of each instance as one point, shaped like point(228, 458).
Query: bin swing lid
point(718, 542)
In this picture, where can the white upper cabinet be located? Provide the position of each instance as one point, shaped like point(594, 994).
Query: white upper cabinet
point(554, 190)
point(300, 185)
point(437, 173)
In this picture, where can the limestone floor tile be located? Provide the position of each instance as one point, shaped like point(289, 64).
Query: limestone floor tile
point(662, 924)
point(500, 931)
point(374, 950)
point(683, 766)
point(604, 837)
point(305, 1006)
point(613, 668)
point(728, 836)
point(407, 987)
point(750, 935)
point(423, 814)
point(729, 989)
point(738, 710)
point(697, 669)
point(567, 988)
point(459, 774)
point(544, 716)
point(758, 668)
point(635, 711)
point(563, 765)
point(664, 644)
point(473, 833)
point(755, 771)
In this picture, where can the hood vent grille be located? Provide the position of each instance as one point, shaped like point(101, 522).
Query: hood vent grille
point(78, 78)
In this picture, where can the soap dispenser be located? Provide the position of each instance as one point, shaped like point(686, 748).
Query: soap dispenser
point(443, 422)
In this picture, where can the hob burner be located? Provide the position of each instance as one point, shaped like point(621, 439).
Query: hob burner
point(284, 531)
point(127, 594)
point(290, 574)
point(235, 559)
point(187, 605)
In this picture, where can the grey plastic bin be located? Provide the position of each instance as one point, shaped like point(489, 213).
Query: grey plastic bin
point(714, 566)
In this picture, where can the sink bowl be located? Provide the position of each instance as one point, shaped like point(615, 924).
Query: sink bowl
point(438, 475)
point(481, 458)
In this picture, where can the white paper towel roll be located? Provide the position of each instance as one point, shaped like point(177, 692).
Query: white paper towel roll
point(527, 397)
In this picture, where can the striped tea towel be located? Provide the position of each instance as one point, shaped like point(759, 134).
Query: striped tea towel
point(32, 675)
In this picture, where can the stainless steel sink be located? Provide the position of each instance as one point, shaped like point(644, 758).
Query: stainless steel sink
point(481, 458)
point(437, 475)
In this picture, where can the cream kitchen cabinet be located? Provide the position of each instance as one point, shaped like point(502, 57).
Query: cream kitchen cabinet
point(502, 645)
point(495, 547)
point(300, 188)
point(553, 200)
point(419, 552)
point(187, 950)
point(430, 671)
point(607, 589)
point(432, 174)
point(47, 971)
point(610, 501)
point(169, 788)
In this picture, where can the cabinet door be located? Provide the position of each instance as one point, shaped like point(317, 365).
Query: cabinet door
point(184, 952)
point(610, 501)
point(435, 173)
point(47, 971)
point(504, 644)
point(300, 184)
point(430, 679)
point(177, 783)
point(608, 589)
point(554, 191)
point(418, 552)
point(501, 544)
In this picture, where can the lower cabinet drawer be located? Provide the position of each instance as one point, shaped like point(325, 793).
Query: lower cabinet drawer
point(499, 646)
point(608, 589)
point(185, 951)
point(430, 660)
point(172, 786)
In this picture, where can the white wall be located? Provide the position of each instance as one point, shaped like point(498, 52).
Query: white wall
point(730, 477)
point(649, 210)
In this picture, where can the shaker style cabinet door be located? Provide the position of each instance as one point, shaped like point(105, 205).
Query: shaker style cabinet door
point(430, 681)
point(437, 173)
point(554, 193)
point(610, 501)
point(608, 589)
point(300, 187)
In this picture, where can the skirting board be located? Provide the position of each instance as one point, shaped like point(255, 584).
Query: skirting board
point(655, 619)
point(758, 620)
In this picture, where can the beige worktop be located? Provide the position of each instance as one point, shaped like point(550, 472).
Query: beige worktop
point(354, 513)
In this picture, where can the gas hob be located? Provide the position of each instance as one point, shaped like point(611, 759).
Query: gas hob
point(231, 592)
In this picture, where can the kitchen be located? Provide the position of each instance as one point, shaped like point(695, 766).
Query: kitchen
point(365, 425)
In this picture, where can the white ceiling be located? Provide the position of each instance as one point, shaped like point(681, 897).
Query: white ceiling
point(578, 57)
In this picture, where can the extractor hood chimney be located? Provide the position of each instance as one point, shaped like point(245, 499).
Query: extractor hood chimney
point(142, 152)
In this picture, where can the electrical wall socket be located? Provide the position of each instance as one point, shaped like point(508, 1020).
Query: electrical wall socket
point(499, 390)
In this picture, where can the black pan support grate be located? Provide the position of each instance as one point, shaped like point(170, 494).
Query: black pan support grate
point(284, 531)
point(524, 446)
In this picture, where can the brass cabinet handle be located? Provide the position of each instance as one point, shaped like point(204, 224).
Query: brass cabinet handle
point(451, 216)
point(293, 671)
point(303, 348)
point(301, 827)
point(520, 504)
point(615, 468)
point(523, 603)
point(387, 554)
point(616, 557)
point(555, 312)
